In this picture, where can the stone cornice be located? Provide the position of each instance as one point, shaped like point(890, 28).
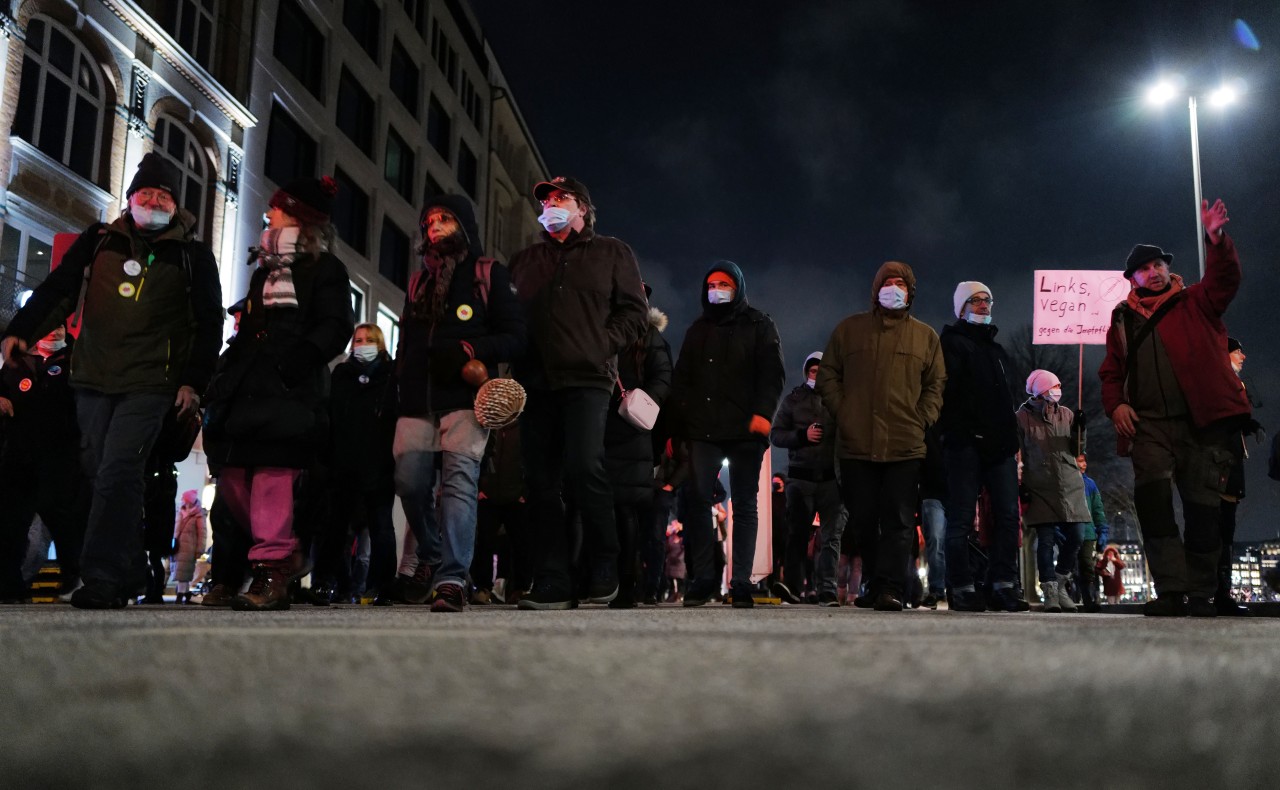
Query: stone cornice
point(142, 24)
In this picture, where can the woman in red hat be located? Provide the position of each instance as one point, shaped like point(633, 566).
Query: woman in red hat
point(267, 418)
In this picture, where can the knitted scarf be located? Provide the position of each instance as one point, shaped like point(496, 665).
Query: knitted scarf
point(433, 294)
point(276, 255)
point(1145, 306)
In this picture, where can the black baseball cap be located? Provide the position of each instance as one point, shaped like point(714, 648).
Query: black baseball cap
point(564, 184)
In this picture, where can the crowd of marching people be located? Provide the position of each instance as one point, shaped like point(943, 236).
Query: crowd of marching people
point(549, 449)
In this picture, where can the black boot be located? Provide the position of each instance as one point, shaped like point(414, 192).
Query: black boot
point(1222, 600)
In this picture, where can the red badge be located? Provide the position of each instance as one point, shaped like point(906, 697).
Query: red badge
point(24, 385)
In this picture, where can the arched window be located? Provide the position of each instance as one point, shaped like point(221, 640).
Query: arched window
point(60, 100)
point(176, 144)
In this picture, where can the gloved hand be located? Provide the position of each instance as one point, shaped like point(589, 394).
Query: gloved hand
point(1080, 417)
point(759, 425)
point(450, 357)
point(301, 360)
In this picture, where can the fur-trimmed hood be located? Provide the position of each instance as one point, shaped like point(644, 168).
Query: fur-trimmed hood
point(658, 319)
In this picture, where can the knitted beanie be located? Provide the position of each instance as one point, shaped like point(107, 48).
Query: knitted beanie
point(1040, 382)
point(308, 200)
point(966, 291)
point(156, 172)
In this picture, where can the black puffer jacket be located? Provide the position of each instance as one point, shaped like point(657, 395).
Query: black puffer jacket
point(730, 368)
point(801, 408)
point(977, 404)
point(584, 303)
point(629, 458)
point(428, 365)
point(253, 417)
point(362, 419)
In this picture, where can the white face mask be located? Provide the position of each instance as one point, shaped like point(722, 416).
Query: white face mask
point(150, 218)
point(365, 353)
point(810, 383)
point(1053, 396)
point(719, 296)
point(51, 346)
point(974, 318)
point(554, 218)
point(893, 297)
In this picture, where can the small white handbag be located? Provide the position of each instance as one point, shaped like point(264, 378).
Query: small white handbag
point(638, 408)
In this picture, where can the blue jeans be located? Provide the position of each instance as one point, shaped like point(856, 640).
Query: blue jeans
point(933, 518)
point(967, 474)
point(117, 434)
point(744, 484)
point(460, 442)
point(1066, 537)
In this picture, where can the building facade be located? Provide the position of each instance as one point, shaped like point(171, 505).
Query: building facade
point(398, 100)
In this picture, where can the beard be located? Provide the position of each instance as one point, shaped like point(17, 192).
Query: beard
point(449, 246)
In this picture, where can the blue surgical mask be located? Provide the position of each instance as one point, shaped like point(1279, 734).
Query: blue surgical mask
point(365, 353)
point(554, 218)
point(974, 318)
point(893, 297)
point(150, 218)
point(719, 296)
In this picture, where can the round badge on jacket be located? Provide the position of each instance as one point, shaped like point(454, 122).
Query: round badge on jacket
point(465, 312)
point(363, 379)
point(132, 268)
point(54, 370)
point(127, 290)
point(24, 385)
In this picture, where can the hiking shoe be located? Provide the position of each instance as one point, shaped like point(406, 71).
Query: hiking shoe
point(865, 602)
point(417, 588)
point(828, 599)
point(888, 602)
point(95, 594)
point(741, 594)
point(700, 592)
point(269, 590)
point(1201, 607)
point(930, 601)
point(1167, 605)
point(546, 596)
point(1007, 599)
point(781, 590)
point(220, 597)
point(481, 598)
point(604, 583)
point(966, 601)
point(450, 597)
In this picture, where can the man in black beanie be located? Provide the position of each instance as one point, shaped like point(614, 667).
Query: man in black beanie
point(151, 326)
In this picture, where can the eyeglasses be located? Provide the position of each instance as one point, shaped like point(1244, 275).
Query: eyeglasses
point(987, 300)
point(558, 198)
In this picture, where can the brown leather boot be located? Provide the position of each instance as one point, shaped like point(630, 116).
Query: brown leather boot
point(269, 590)
point(221, 596)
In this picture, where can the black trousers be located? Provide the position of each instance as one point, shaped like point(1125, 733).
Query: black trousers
point(881, 499)
point(48, 484)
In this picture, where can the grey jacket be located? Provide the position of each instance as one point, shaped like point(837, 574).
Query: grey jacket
point(1051, 481)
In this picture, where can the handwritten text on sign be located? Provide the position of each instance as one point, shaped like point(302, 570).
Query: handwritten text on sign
point(1074, 306)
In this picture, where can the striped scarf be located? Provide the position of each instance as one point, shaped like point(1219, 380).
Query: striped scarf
point(279, 247)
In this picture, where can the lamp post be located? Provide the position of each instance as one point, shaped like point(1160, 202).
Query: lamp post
point(1161, 93)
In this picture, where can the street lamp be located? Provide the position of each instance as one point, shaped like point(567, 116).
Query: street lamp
point(1165, 91)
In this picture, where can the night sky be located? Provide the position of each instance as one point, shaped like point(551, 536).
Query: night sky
point(812, 141)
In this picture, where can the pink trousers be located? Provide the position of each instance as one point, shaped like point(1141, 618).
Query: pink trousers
point(262, 499)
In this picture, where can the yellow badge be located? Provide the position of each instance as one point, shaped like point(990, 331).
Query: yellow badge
point(465, 312)
point(127, 290)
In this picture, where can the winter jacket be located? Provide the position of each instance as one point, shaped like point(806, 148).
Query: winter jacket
point(362, 425)
point(628, 450)
point(1097, 528)
point(429, 358)
point(730, 368)
point(152, 317)
point(253, 416)
point(1194, 339)
point(882, 375)
point(190, 538)
point(44, 407)
point(977, 403)
point(1051, 481)
point(583, 303)
point(801, 408)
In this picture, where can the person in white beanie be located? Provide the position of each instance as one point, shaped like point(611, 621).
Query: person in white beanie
point(1049, 439)
point(980, 444)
